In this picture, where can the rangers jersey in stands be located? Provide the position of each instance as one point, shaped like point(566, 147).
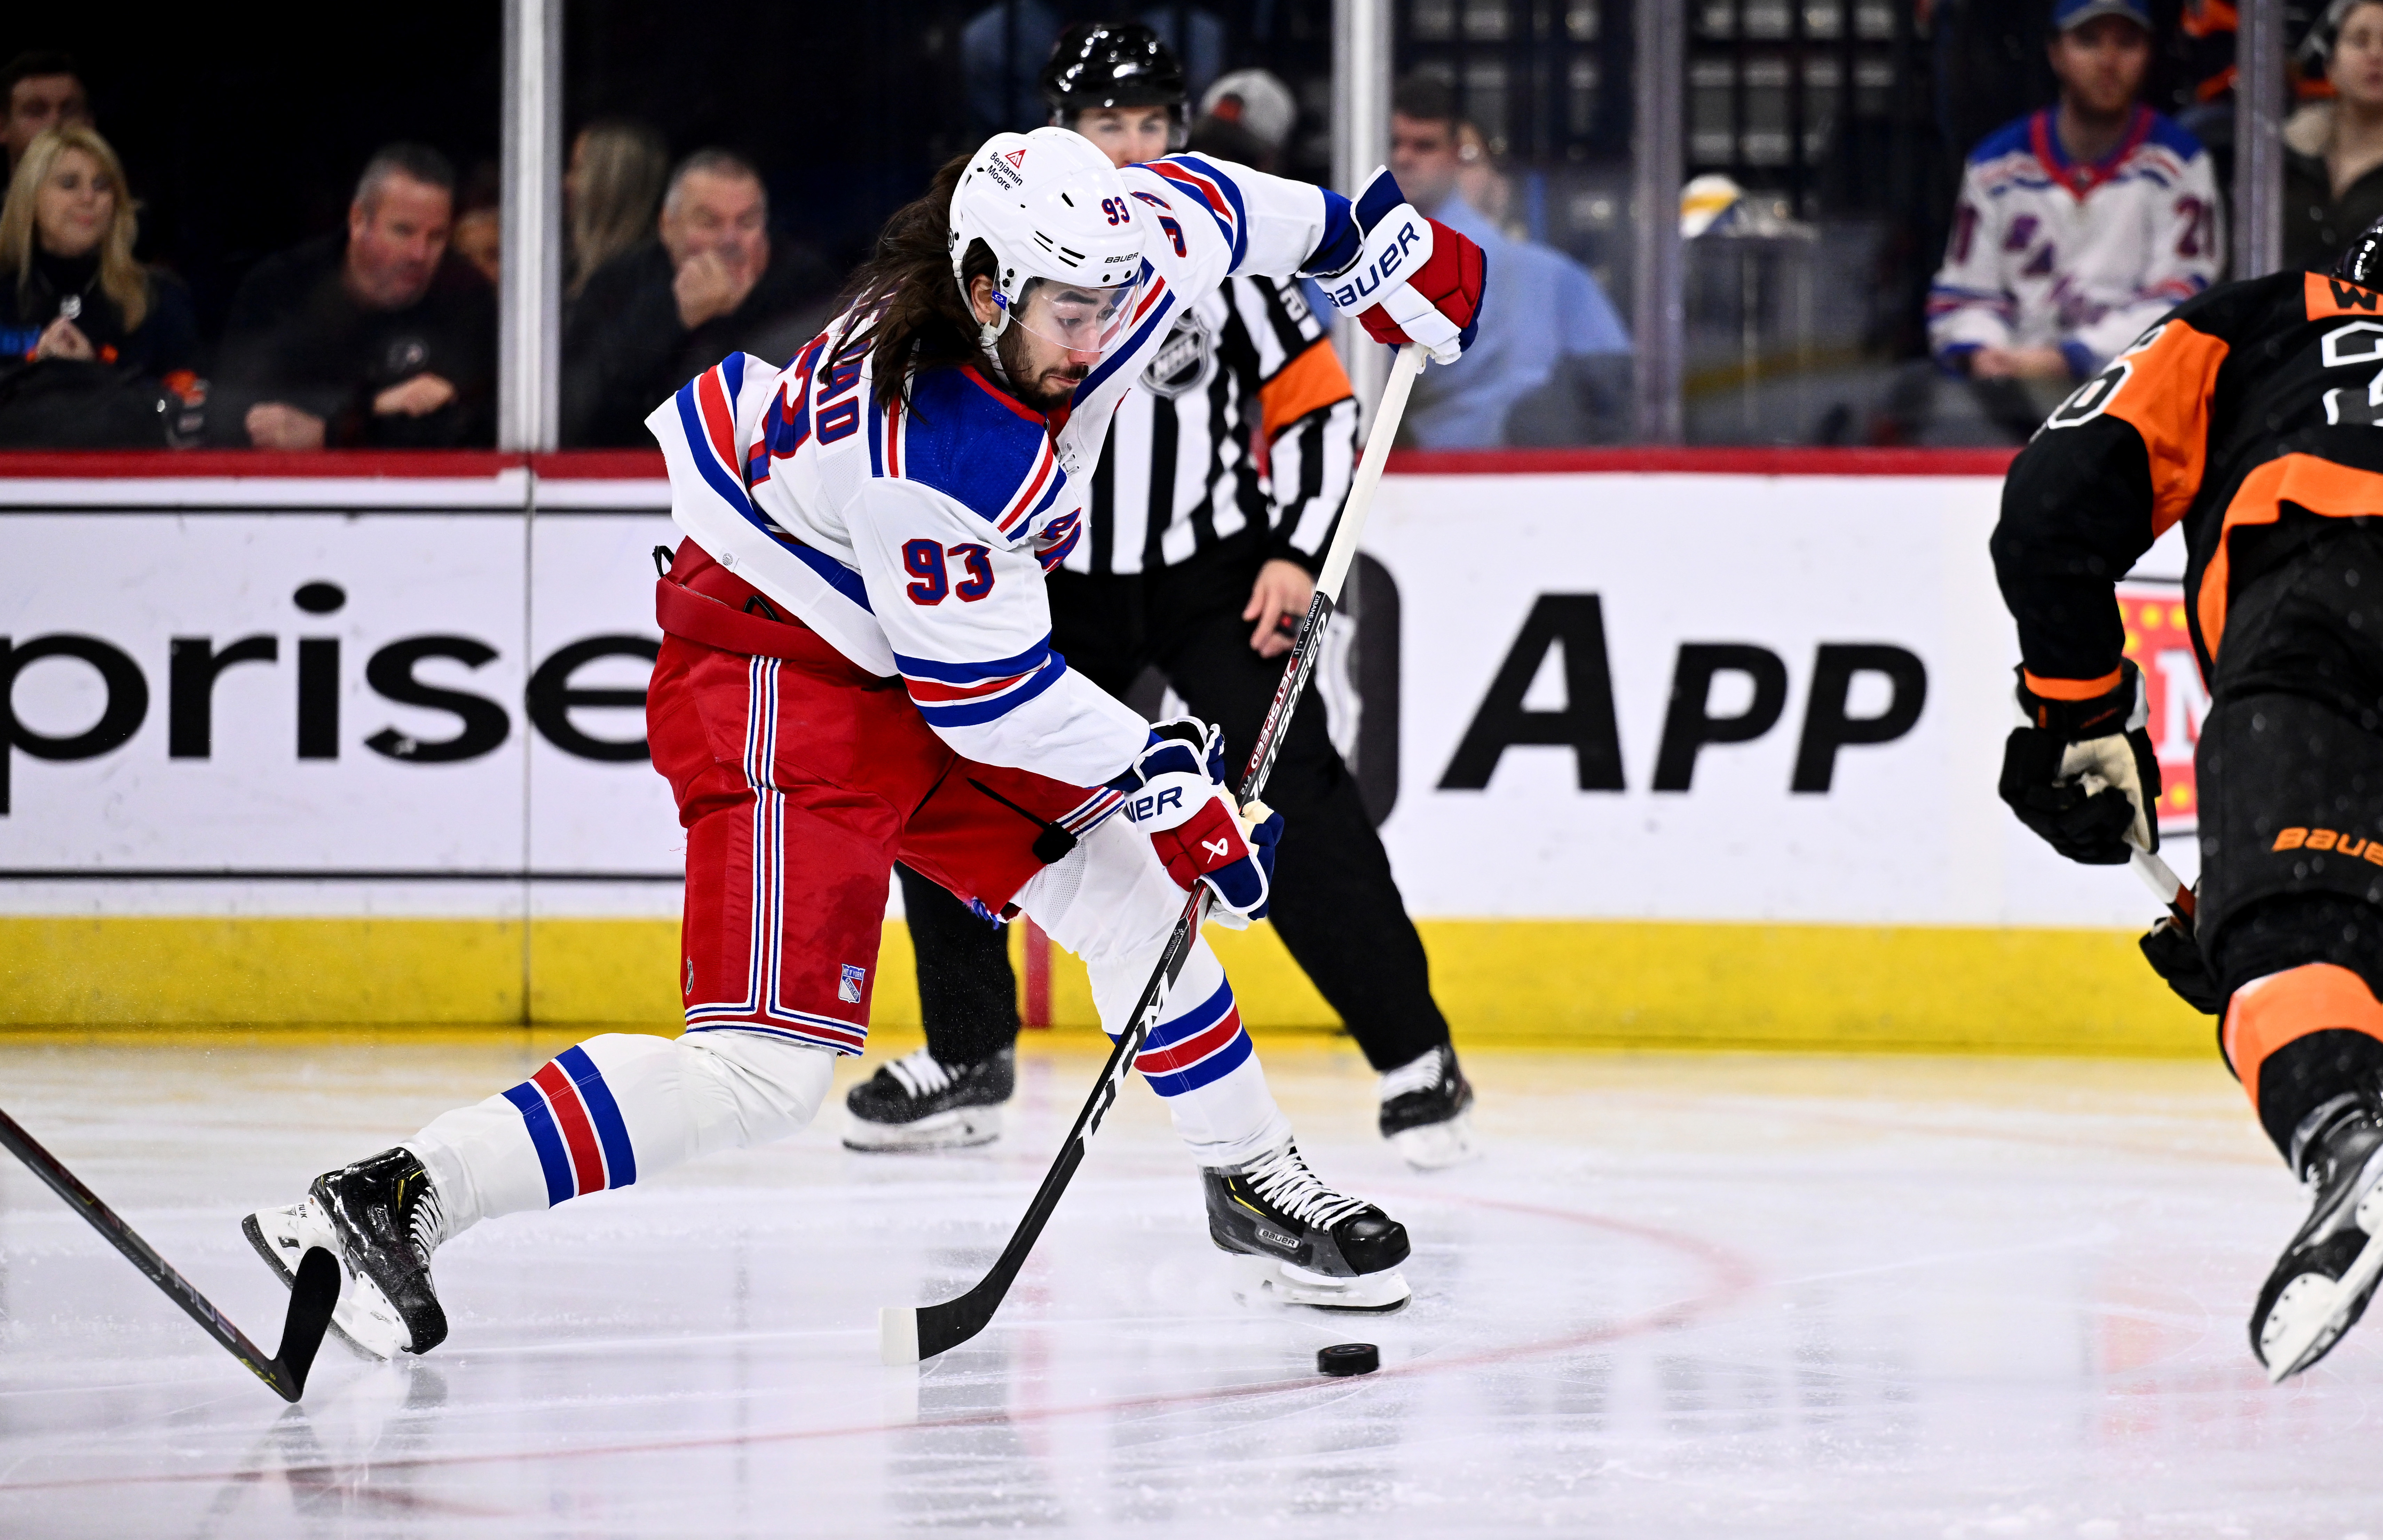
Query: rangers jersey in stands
point(1182, 470)
point(914, 534)
point(2049, 250)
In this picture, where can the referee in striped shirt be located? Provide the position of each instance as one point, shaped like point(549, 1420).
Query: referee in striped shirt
point(1206, 523)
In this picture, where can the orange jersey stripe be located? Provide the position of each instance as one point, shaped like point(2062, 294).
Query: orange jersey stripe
point(2165, 397)
point(2073, 689)
point(2320, 485)
point(1309, 383)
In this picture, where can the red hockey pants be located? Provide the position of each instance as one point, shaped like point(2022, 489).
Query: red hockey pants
point(800, 781)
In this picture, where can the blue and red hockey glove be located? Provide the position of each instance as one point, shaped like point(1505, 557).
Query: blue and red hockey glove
point(1176, 795)
point(1406, 278)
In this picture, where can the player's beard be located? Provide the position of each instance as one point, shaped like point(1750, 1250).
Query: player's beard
point(1047, 388)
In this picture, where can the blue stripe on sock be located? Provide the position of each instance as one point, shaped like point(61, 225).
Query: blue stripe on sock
point(549, 1141)
point(620, 1162)
point(1207, 1071)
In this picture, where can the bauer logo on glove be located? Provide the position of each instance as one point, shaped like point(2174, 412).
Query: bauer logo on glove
point(1176, 795)
point(1408, 278)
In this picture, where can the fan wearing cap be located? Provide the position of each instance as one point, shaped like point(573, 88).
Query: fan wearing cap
point(857, 669)
point(2078, 226)
point(1206, 515)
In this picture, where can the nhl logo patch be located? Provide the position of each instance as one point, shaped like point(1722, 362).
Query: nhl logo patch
point(1185, 361)
point(847, 987)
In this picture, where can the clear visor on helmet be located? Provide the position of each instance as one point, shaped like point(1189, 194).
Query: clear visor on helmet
point(1078, 318)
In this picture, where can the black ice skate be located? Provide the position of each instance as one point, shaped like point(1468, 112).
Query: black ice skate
point(2325, 1276)
point(919, 1102)
point(1427, 1111)
point(1305, 1243)
point(382, 1219)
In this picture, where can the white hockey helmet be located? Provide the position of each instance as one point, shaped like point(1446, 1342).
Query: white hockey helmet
point(1052, 208)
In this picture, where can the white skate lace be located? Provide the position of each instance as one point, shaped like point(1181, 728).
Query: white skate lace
point(428, 1221)
point(919, 1074)
point(1423, 1074)
point(1284, 1181)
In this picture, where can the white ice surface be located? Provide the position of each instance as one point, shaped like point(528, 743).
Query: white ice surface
point(1693, 1296)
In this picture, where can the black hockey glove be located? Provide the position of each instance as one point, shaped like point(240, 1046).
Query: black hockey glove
point(2081, 773)
point(2176, 957)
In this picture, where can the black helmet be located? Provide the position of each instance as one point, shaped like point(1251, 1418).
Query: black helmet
point(1111, 64)
point(2361, 261)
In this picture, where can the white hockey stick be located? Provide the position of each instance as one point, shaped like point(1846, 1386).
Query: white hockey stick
point(906, 1334)
point(2164, 883)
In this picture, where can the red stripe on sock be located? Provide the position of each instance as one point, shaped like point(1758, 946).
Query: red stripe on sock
point(578, 1134)
point(1190, 1051)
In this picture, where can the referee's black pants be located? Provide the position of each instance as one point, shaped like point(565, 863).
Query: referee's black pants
point(1334, 904)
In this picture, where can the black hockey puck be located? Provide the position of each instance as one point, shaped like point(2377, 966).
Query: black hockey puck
point(1349, 1358)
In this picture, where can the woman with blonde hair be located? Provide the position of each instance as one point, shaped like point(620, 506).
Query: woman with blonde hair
point(94, 347)
point(612, 191)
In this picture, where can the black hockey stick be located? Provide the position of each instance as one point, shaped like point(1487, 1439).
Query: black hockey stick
point(312, 1294)
point(907, 1334)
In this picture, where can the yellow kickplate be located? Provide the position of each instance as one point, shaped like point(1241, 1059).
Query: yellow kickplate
point(1520, 983)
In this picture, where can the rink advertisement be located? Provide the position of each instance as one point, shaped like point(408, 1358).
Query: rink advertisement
point(1620, 730)
point(1736, 698)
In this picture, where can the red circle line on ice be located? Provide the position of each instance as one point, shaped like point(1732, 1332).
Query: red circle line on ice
point(1728, 1277)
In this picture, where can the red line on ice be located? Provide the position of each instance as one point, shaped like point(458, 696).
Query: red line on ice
point(1729, 1277)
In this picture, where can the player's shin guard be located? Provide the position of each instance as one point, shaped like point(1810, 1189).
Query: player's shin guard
point(614, 1108)
point(2290, 1035)
point(1112, 904)
point(597, 1116)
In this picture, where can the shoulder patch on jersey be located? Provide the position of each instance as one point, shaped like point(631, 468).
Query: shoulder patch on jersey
point(2327, 295)
point(975, 445)
point(1215, 193)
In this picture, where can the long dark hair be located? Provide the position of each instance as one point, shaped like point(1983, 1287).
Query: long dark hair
point(902, 304)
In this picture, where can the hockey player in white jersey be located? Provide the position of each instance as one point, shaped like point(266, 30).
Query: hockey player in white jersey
point(1188, 538)
point(857, 669)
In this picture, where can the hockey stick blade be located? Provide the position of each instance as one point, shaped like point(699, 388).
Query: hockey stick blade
point(312, 1293)
point(909, 1335)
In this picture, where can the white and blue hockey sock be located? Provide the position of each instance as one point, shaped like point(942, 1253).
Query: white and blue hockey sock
point(616, 1108)
point(1112, 904)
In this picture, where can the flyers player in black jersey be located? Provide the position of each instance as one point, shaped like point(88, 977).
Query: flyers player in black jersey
point(2253, 416)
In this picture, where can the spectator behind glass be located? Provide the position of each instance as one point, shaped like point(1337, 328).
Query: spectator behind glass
point(609, 193)
point(1551, 364)
point(2078, 226)
point(1260, 105)
point(2333, 151)
point(379, 336)
point(98, 350)
point(479, 229)
point(711, 283)
point(39, 90)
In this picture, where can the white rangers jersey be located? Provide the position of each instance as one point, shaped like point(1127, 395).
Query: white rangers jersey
point(1183, 470)
point(914, 536)
point(2049, 250)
